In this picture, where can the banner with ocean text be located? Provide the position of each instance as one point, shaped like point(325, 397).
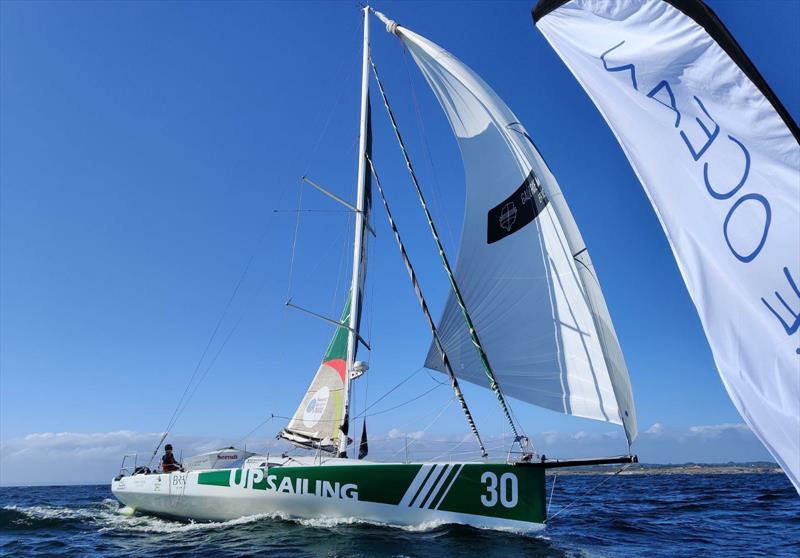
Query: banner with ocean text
point(719, 158)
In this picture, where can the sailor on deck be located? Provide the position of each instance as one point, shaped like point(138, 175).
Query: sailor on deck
point(168, 461)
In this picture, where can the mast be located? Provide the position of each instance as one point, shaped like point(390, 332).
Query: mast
point(359, 242)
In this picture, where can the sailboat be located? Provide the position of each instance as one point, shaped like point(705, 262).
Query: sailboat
point(525, 318)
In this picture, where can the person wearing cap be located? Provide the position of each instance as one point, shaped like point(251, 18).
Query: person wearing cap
point(168, 461)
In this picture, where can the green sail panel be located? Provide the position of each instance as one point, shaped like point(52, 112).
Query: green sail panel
point(317, 419)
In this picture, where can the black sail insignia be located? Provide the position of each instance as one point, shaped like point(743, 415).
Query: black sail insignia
point(517, 210)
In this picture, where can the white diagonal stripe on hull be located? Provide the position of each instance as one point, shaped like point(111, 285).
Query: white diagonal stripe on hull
point(426, 488)
point(449, 486)
point(414, 485)
point(438, 486)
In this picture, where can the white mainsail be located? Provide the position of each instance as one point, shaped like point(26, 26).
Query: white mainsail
point(523, 269)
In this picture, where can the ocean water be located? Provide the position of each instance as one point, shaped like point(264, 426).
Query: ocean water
point(634, 515)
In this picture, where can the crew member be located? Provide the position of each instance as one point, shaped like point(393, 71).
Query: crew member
point(168, 461)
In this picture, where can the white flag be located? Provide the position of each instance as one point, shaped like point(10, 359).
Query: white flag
point(719, 158)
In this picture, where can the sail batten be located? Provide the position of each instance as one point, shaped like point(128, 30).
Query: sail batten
point(523, 268)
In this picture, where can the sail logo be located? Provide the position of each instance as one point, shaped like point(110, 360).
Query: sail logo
point(508, 216)
point(316, 407)
point(516, 211)
point(256, 479)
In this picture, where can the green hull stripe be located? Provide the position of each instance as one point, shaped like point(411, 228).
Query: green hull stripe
point(484, 489)
point(447, 482)
point(421, 486)
point(433, 485)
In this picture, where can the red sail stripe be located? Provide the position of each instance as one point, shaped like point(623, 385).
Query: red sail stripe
point(337, 364)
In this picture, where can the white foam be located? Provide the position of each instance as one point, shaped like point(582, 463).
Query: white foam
point(150, 524)
point(52, 512)
point(109, 516)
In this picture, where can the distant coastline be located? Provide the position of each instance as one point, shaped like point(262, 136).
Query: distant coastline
point(756, 467)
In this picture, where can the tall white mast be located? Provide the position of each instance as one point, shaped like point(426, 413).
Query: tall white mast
point(359, 243)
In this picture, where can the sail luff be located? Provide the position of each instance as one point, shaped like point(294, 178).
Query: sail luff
point(359, 242)
point(431, 324)
point(445, 262)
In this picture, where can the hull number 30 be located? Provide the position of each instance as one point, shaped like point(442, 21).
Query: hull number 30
point(503, 489)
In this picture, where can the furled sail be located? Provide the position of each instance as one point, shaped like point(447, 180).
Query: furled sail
point(316, 421)
point(522, 266)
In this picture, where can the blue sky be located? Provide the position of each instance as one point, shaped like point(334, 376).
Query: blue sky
point(144, 148)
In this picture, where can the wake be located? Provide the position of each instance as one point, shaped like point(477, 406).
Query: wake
point(108, 516)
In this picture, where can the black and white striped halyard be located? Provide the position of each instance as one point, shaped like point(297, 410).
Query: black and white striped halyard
point(418, 291)
point(521, 439)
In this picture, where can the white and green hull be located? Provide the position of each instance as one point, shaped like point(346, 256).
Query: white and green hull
point(479, 494)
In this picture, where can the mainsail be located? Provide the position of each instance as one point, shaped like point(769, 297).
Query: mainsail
point(523, 269)
point(316, 421)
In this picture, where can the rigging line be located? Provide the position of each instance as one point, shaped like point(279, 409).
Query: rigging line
point(263, 423)
point(310, 160)
point(222, 317)
point(294, 243)
point(334, 240)
point(342, 89)
point(460, 452)
point(449, 454)
point(454, 285)
point(210, 366)
point(452, 450)
point(552, 491)
point(437, 197)
point(587, 492)
point(414, 440)
point(340, 270)
point(371, 314)
point(424, 305)
point(385, 395)
point(428, 372)
point(216, 355)
point(384, 411)
point(381, 412)
point(311, 211)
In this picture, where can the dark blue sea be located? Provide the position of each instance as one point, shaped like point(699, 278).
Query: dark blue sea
point(634, 515)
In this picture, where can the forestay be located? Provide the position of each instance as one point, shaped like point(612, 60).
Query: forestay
point(523, 269)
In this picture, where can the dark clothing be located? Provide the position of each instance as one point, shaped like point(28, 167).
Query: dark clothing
point(169, 463)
